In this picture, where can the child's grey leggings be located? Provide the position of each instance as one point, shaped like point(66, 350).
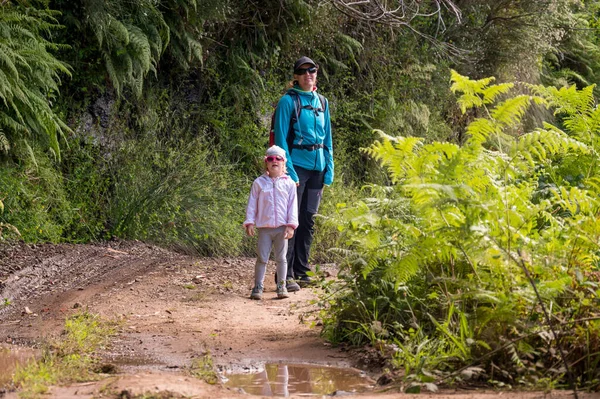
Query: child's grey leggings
point(268, 237)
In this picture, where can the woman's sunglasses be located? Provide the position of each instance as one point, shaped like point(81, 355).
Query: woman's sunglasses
point(272, 158)
point(302, 71)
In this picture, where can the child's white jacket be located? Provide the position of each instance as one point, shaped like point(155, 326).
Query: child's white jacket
point(272, 202)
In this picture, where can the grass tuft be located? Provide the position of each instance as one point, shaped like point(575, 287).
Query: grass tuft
point(70, 359)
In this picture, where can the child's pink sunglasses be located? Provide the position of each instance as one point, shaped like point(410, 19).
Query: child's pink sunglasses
point(272, 158)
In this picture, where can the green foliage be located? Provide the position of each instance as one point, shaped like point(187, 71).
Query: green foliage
point(576, 58)
point(203, 368)
point(131, 38)
point(29, 77)
point(508, 39)
point(335, 196)
point(70, 359)
point(35, 200)
point(87, 183)
point(445, 249)
point(179, 194)
point(6, 226)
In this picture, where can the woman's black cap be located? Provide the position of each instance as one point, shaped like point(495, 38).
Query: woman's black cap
point(304, 60)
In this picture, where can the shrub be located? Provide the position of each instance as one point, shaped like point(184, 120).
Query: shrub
point(473, 245)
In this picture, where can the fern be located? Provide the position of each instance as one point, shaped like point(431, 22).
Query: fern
point(29, 75)
point(478, 215)
point(132, 37)
point(4, 143)
point(476, 93)
point(540, 145)
point(509, 112)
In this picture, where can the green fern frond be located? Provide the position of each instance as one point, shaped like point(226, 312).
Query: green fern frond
point(138, 85)
point(345, 253)
point(140, 47)
point(156, 41)
point(543, 143)
point(491, 93)
point(29, 74)
point(594, 184)
point(195, 50)
point(6, 62)
point(13, 125)
point(118, 31)
point(575, 200)
point(31, 153)
point(511, 111)
point(5, 89)
point(476, 93)
point(370, 265)
point(572, 77)
point(4, 143)
point(112, 72)
point(465, 85)
point(402, 268)
point(353, 47)
point(481, 129)
point(356, 211)
point(392, 152)
point(566, 100)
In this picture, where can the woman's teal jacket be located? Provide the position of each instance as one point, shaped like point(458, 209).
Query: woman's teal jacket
point(312, 128)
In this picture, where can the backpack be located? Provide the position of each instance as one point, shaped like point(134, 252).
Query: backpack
point(295, 115)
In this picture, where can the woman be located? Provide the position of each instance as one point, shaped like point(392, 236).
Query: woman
point(303, 130)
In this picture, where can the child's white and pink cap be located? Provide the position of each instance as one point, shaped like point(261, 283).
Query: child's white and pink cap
point(276, 151)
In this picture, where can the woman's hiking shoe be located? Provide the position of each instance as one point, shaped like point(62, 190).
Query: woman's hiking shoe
point(305, 281)
point(257, 292)
point(291, 285)
point(282, 291)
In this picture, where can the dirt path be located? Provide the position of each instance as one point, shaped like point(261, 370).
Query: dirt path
point(175, 308)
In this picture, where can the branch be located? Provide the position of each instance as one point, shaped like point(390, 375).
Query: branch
point(402, 14)
point(398, 12)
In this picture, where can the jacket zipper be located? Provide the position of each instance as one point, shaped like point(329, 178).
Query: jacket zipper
point(274, 203)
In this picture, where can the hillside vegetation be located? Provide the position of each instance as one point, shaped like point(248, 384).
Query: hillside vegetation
point(465, 207)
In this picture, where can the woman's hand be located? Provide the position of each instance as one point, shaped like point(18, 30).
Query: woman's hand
point(250, 229)
point(289, 232)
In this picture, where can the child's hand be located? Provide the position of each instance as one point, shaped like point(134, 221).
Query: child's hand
point(250, 229)
point(289, 232)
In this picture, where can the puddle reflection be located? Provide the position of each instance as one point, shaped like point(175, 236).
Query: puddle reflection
point(298, 379)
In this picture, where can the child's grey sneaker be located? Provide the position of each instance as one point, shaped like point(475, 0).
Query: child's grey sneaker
point(257, 292)
point(291, 285)
point(282, 291)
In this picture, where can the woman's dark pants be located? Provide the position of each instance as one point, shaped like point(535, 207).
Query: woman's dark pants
point(309, 193)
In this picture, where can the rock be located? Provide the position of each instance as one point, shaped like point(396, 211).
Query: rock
point(385, 379)
point(341, 393)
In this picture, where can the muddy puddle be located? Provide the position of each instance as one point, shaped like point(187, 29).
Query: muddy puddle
point(298, 379)
point(11, 357)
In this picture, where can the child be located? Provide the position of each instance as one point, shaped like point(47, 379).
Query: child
point(273, 209)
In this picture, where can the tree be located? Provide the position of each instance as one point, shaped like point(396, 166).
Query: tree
point(405, 14)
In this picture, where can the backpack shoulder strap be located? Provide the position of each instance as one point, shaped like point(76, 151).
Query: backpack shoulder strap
point(297, 104)
point(323, 102)
point(293, 119)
